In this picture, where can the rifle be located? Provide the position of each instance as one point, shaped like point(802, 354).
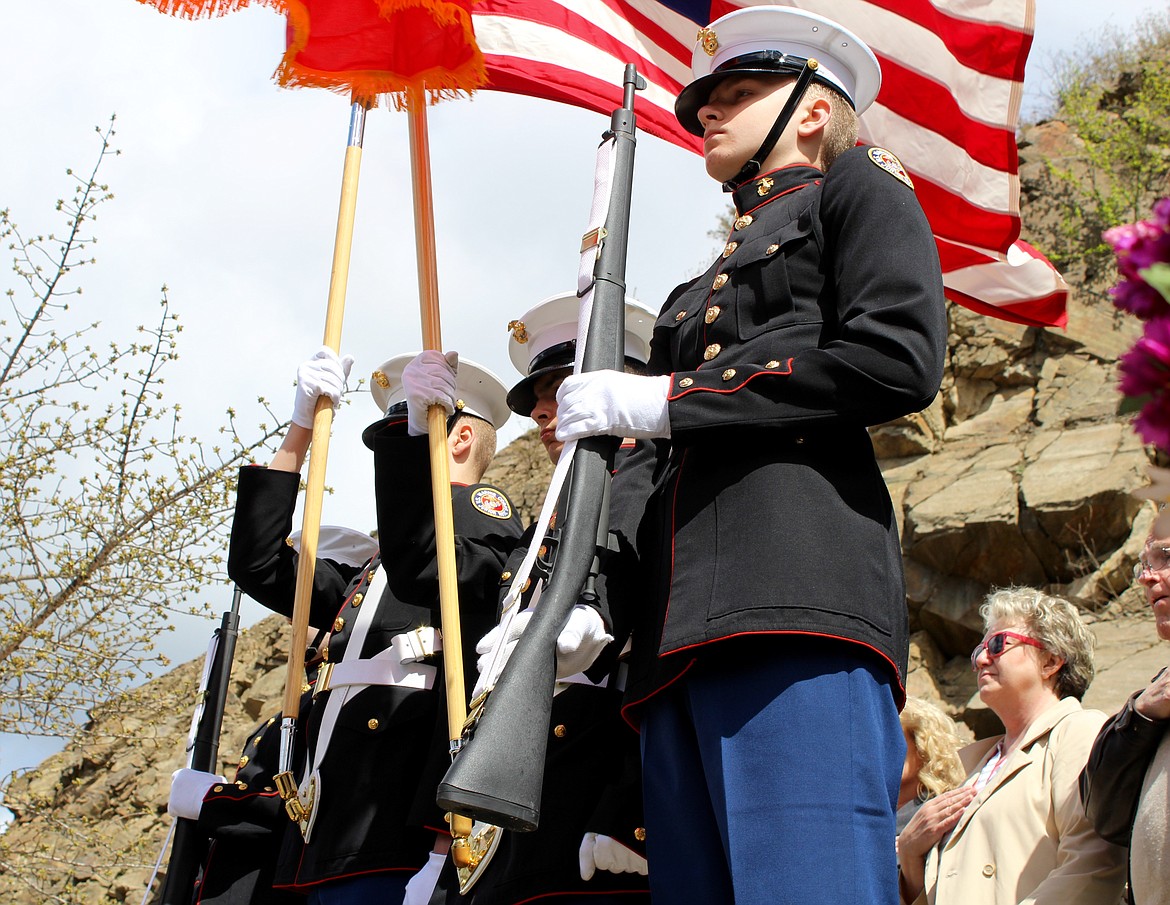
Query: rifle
point(498, 773)
point(190, 846)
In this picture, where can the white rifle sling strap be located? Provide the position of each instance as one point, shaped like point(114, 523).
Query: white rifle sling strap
point(397, 665)
point(591, 244)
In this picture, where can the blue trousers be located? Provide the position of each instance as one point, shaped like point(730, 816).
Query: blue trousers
point(773, 778)
point(376, 889)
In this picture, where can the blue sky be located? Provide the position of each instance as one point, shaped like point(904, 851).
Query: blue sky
point(227, 190)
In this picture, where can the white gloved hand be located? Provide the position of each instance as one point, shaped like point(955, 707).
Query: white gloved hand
point(422, 884)
point(491, 640)
point(188, 789)
point(606, 853)
point(613, 403)
point(322, 375)
point(580, 641)
point(428, 379)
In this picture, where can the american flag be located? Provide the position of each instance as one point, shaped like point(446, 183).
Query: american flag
point(952, 80)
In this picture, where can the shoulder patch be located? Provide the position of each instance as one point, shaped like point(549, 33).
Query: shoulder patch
point(491, 502)
point(890, 164)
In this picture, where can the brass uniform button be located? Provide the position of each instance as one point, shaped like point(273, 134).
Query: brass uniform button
point(712, 313)
point(685, 382)
point(242, 786)
point(373, 723)
point(505, 576)
point(720, 281)
point(289, 541)
point(560, 731)
point(729, 373)
point(325, 654)
point(338, 623)
point(772, 364)
point(371, 575)
point(357, 599)
point(744, 221)
point(729, 249)
point(771, 249)
point(680, 315)
point(217, 788)
point(256, 742)
point(243, 762)
point(269, 789)
point(764, 186)
point(711, 351)
point(305, 687)
point(640, 833)
point(271, 720)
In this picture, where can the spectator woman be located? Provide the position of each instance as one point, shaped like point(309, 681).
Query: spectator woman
point(932, 757)
point(1015, 831)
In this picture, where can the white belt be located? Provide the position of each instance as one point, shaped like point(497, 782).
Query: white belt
point(396, 665)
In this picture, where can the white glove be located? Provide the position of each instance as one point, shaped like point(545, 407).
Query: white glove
point(188, 789)
point(613, 403)
point(606, 853)
point(428, 379)
point(580, 641)
point(322, 375)
point(422, 884)
point(488, 643)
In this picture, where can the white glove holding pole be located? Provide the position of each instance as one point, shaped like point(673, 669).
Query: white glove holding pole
point(606, 853)
point(422, 884)
point(428, 379)
point(322, 375)
point(613, 403)
point(188, 789)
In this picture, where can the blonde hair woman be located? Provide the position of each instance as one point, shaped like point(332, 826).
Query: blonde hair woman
point(1015, 830)
point(932, 757)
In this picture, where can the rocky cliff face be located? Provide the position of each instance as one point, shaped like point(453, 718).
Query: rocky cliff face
point(1020, 472)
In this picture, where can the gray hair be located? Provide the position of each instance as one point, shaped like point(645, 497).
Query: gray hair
point(1056, 624)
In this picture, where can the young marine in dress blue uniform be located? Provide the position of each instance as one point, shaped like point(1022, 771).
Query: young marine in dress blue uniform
point(369, 748)
point(768, 672)
point(245, 820)
point(589, 846)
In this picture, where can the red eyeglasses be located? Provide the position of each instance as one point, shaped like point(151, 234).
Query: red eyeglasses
point(996, 644)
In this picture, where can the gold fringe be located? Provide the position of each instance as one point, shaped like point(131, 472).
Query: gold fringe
point(436, 84)
point(201, 9)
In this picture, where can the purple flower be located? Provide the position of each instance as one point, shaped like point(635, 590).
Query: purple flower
point(1145, 372)
point(1137, 246)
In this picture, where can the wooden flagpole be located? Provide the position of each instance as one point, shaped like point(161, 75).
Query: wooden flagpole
point(428, 288)
point(322, 425)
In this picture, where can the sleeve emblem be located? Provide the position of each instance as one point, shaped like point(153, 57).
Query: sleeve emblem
point(491, 502)
point(890, 164)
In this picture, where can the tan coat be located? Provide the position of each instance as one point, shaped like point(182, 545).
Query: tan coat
point(1025, 837)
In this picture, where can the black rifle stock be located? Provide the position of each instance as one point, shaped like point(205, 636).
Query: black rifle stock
point(190, 845)
point(498, 774)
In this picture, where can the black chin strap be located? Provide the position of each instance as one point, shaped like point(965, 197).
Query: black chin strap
point(752, 167)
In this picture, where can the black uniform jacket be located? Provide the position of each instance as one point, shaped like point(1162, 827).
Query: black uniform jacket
point(246, 821)
point(824, 314)
point(381, 741)
point(592, 771)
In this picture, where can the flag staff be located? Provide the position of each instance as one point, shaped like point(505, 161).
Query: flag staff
point(428, 289)
point(322, 425)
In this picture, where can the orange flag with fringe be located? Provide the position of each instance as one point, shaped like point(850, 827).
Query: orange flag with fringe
point(367, 48)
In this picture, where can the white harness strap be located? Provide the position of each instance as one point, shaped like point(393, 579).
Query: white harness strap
point(590, 249)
